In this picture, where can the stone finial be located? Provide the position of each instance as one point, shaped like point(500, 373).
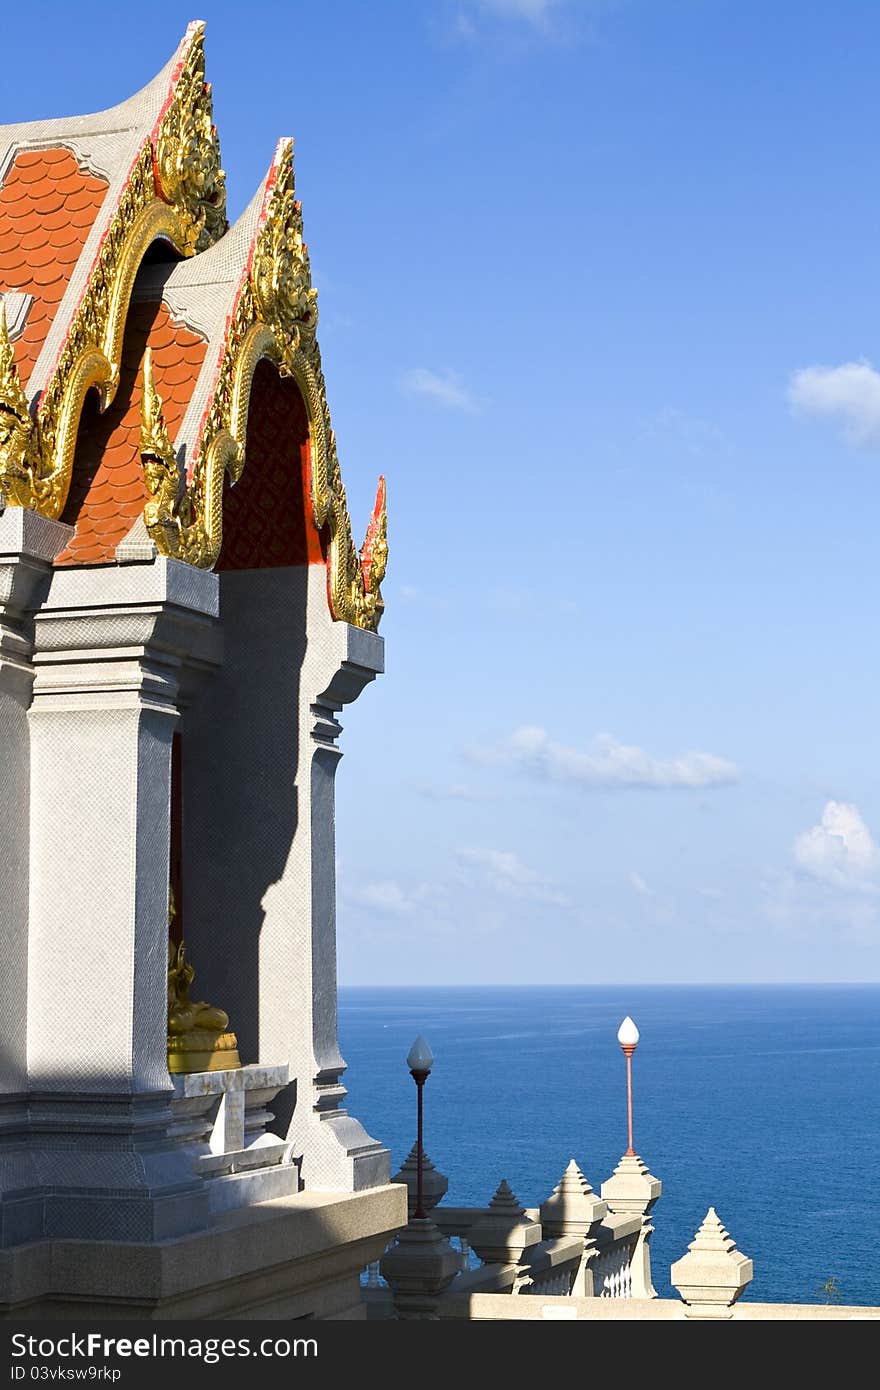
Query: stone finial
point(712, 1275)
point(419, 1266)
point(434, 1183)
point(504, 1232)
point(631, 1190)
point(506, 1201)
point(573, 1208)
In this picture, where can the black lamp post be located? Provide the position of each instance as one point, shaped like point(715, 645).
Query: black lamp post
point(419, 1060)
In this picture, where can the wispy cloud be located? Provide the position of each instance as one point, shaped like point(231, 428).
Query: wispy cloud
point(504, 872)
point(444, 388)
point(638, 885)
point(689, 433)
point(849, 394)
point(386, 896)
point(605, 763)
point(449, 791)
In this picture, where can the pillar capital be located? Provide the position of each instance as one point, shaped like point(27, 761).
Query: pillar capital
point(631, 1190)
point(713, 1274)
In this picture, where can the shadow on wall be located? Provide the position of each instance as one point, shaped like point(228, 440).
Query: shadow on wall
point(240, 738)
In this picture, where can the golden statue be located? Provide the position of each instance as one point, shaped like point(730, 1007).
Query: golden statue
point(197, 1037)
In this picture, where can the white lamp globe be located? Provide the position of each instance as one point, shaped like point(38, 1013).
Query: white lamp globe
point(420, 1056)
point(628, 1033)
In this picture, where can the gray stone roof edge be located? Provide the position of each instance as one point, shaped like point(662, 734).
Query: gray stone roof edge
point(116, 120)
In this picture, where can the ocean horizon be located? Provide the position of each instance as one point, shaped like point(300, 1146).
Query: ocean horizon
point(759, 1100)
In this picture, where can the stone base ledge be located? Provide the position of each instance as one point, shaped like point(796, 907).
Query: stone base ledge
point(297, 1256)
point(500, 1307)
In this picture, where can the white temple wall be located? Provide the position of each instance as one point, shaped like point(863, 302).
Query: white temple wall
point(259, 871)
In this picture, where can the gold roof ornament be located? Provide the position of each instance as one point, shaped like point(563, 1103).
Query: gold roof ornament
point(275, 317)
point(188, 152)
point(175, 190)
point(20, 463)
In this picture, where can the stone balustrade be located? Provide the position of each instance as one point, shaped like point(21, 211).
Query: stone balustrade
point(579, 1256)
point(576, 1244)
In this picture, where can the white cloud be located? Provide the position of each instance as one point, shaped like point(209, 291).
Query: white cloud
point(445, 388)
point(606, 763)
point(385, 896)
point(503, 871)
point(840, 850)
point(849, 393)
point(835, 884)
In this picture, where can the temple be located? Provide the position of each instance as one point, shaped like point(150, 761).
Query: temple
point(183, 615)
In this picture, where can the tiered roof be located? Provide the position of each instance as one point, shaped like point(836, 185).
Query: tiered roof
point(142, 343)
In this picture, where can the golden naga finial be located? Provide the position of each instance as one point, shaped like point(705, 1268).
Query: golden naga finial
point(172, 517)
point(154, 435)
point(373, 561)
point(161, 469)
point(21, 484)
point(281, 276)
point(188, 151)
point(276, 316)
point(197, 1036)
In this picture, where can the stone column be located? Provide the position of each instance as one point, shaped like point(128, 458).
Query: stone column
point(28, 545)
point(337, 1152)
point(419, 1266)
point(633, 1191)
point(116, 648)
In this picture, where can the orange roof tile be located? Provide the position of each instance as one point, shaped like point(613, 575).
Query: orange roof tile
point(107, 490)
point(47, 207)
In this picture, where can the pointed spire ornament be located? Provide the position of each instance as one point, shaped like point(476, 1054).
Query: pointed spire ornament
point(434, 1183)
point(631, 1190)
point(712, 1234)
point(506, 1200)
point(505, 1231)
point(573, 1208)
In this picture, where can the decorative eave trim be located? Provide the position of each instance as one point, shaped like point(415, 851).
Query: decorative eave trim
point(175, 189)
point(273, 316)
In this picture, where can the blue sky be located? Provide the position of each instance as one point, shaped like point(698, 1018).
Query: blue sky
point(598, 291)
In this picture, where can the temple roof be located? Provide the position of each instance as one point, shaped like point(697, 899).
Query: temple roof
point(133, 324)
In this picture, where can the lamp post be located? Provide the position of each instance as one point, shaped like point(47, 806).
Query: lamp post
point(420, 1059)
point(421, 1263)
point(628, 1037)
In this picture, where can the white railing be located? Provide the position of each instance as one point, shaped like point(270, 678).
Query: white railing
point(612, 1272)
point(550, 1285)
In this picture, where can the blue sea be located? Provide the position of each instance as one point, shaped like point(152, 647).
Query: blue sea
point(762, 1101)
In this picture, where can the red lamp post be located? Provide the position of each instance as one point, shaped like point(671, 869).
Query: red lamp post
point(628, 1037)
